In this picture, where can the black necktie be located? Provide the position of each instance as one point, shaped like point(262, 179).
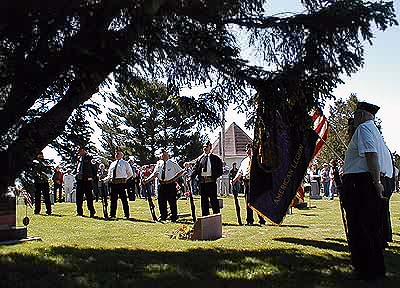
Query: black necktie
point(163, 170)
point(205, 164)
point(115, 170)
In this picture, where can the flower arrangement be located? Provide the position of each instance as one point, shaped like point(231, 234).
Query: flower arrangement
point(184, 232)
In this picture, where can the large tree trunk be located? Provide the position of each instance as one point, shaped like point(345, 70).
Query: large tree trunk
point(33, 137)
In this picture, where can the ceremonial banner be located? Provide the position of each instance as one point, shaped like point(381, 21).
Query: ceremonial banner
point(321, 127)
point(280, 159)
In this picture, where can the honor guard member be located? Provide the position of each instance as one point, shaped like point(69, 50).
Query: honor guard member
point(367, 159)
point(118, 174)
point(244, 174)
point(85, 173)
point(168, 172)
point(208, 168)
point(41, 180)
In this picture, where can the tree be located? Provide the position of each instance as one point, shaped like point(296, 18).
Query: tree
point(338, 137)
point(146, 118)
point(77, 132)
point(60, 52)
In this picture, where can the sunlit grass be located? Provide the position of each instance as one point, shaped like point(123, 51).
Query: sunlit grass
point(308, 250)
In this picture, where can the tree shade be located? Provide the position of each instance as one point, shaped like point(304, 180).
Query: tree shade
point(56, 54)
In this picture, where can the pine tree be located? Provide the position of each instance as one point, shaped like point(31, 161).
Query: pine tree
point(339, 136)
point(147, 118)
point(78, 132)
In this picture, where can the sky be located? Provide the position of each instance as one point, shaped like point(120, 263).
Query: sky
point(378, 82)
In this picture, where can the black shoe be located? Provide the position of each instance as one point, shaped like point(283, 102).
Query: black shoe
point(79, 214)
point(48, 213)
point(37, 213)
point(249, 224)
point(92, 215)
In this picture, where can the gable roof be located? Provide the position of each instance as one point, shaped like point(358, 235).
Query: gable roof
point(235, 142)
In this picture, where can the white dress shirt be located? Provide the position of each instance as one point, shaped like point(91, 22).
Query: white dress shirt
point(244, 168)
point(208, 172)
point(367, 138)
point(171, 169)
point(124, 170)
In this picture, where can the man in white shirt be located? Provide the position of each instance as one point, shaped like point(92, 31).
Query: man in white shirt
point(244, 173)
point(208, 168)
point(167, 172)
point(367, 159)
point(118, 174)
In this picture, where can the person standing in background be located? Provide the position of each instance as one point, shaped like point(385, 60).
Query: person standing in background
point(58, 179)
point(42, 171)
point(208, 168)
point(118, 174)
point(85, 174)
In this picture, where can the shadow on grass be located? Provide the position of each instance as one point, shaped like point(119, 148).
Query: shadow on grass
point(292, 226)
point(315, 243)
point(310, 215)
point(51, 215)
point(337, 240)
point(231, 224)
point(74, 267)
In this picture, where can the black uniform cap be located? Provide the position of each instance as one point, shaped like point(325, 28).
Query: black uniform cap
point(371, 108)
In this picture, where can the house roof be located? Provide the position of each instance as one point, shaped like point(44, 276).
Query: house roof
point(235, 142)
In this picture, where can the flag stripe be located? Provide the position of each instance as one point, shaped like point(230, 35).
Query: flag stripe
point(27, 198)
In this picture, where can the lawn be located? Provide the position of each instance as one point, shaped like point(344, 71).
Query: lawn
point(308, 250)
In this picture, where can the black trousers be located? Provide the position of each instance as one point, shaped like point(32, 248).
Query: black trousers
point(364, 215)
point(59, 188)
point(388, 189)
point(249, 211)
point(84, 187)
point(118, 190)
point(42, 188)
point(167, 194)
point(208, 194)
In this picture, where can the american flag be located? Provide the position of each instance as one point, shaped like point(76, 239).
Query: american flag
point(321, 127)
point(27, 198)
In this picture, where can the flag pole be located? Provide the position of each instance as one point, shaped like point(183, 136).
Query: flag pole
point(330, 148)
point(340, 189)
point(341, 140)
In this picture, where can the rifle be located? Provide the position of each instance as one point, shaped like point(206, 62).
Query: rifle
point(151, 205)
point(104, 200)
point(192, 206)
point(339, 189)
point(237, 206)
point(187, 191)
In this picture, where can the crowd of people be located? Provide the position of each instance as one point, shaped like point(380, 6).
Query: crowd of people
point(96, 180)
point(322, 180)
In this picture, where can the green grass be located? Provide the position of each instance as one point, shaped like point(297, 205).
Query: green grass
point(308, 250)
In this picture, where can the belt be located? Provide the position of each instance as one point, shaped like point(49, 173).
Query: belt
point(164, 182)
point(206, 179)
point(118, 181)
